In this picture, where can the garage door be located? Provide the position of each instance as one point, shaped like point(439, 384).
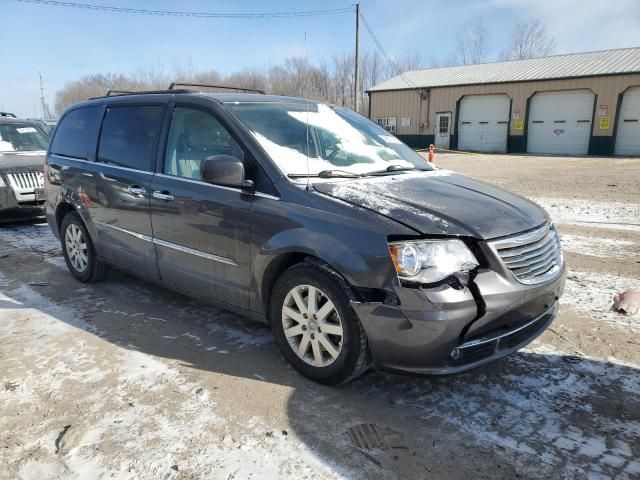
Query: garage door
point(628, 136)
point(483, 123)
point(560, 122)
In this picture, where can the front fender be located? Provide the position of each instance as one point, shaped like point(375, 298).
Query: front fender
point(354, 245)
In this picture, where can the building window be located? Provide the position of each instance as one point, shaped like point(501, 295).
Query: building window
point(443, 127)
point(388, 123)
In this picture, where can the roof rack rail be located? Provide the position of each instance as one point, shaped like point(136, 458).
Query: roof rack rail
point(119, 93)
point(224, 87)
point(8, 114)
point(111, 93)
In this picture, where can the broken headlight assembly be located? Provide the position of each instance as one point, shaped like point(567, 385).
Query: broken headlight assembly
point(430, 261)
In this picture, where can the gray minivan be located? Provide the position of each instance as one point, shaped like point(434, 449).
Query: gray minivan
point(307, 216)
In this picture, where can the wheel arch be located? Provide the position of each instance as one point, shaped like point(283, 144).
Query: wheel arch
point(286, 260)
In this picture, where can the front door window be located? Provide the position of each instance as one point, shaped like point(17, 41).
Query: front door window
point(442, 130)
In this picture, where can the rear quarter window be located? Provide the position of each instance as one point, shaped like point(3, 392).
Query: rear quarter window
point(76, 132)
point(129, 136)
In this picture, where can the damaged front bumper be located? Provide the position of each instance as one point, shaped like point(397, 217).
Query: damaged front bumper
point(446, 330)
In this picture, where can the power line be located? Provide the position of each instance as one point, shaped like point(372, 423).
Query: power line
point(394, 66)
point(179, 13)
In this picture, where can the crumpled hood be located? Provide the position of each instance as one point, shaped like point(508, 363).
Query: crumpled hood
point(441, 203)
point(20, 162)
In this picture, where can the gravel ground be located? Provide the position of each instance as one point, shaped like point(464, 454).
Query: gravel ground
point(123, 379)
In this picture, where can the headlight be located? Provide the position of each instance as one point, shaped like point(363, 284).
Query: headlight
point(428, 261)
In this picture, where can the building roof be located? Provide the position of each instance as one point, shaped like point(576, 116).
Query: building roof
point(605, 62)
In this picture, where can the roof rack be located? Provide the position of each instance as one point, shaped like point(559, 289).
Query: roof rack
point(8, 114)
point(115, 93)
point(118, 93)
point(224, 87)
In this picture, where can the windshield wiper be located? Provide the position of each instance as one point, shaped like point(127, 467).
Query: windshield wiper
point(395, 168)
point(326, 174)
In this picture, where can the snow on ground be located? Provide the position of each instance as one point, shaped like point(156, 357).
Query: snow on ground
point(171, 422)
point(600, 247)
point(586, 213)
point(536, 403)
point(36, 236)
point(592, 294)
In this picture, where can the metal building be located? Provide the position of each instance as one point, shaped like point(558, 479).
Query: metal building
point(575, 104)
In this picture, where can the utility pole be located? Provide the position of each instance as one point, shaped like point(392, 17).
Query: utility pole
point(357, 72)
point(44, 107)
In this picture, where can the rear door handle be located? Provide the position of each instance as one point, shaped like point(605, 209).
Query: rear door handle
point(163, 195)
point(137, 190)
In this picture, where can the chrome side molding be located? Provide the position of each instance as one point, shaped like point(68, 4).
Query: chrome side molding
point(174, 246)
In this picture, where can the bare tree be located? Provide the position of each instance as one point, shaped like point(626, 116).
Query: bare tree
point(529, 39)
point(331, 81)
point(411, 60)
point(472, 44)
point(91, 86)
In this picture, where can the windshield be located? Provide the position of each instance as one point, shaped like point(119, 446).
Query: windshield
point(21, 137)
point(337, 140)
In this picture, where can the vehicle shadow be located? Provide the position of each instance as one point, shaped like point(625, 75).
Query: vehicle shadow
point(532, 415)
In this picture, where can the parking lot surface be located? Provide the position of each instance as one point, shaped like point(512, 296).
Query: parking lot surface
point(123, 379)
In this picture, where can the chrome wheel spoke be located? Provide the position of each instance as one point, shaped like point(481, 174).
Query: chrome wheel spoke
point(328, 345)
point(302, 307)
point(331, 329)
point(291, 313)
point(294, 331)
point(312, 300)
point(325, 311)
point(317, 354)
point(304, 346)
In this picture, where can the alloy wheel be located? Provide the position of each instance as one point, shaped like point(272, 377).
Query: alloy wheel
point(76, 246)
point(312, 325)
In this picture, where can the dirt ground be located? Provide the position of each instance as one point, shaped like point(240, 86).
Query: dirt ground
point(123, 379)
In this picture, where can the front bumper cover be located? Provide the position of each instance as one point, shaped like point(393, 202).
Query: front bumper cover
point(442, 330)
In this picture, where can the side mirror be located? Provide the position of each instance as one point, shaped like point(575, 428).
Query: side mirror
point(224, 170)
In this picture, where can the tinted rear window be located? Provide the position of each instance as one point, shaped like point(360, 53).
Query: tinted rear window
point(76, 132)
point(129, 135)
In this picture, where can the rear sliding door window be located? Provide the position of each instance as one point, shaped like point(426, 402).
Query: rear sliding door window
point(129, 136)
point(76, 133)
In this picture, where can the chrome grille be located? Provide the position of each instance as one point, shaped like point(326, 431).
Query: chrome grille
point(26, 181)
point(532, 257)
point(24, 185)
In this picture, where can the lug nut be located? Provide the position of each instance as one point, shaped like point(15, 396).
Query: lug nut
point(304, 328)
point(313, 337)
point(304, 315)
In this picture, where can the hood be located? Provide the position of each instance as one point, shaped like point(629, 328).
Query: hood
point(20, 162)
point(441, 203)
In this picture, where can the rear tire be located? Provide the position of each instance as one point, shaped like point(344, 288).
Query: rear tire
point(324, 340)
point(78, 250)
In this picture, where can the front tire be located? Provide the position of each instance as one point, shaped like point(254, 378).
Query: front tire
point(315, 328)
point(78, 250)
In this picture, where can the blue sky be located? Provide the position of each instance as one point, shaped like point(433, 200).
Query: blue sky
point(66, 43)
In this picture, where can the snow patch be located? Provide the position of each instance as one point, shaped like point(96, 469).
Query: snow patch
point(600, 247)
point(592, 294)
point(612, 215)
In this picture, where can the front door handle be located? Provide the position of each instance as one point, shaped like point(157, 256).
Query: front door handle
point(163, 195)
point(137, 190)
